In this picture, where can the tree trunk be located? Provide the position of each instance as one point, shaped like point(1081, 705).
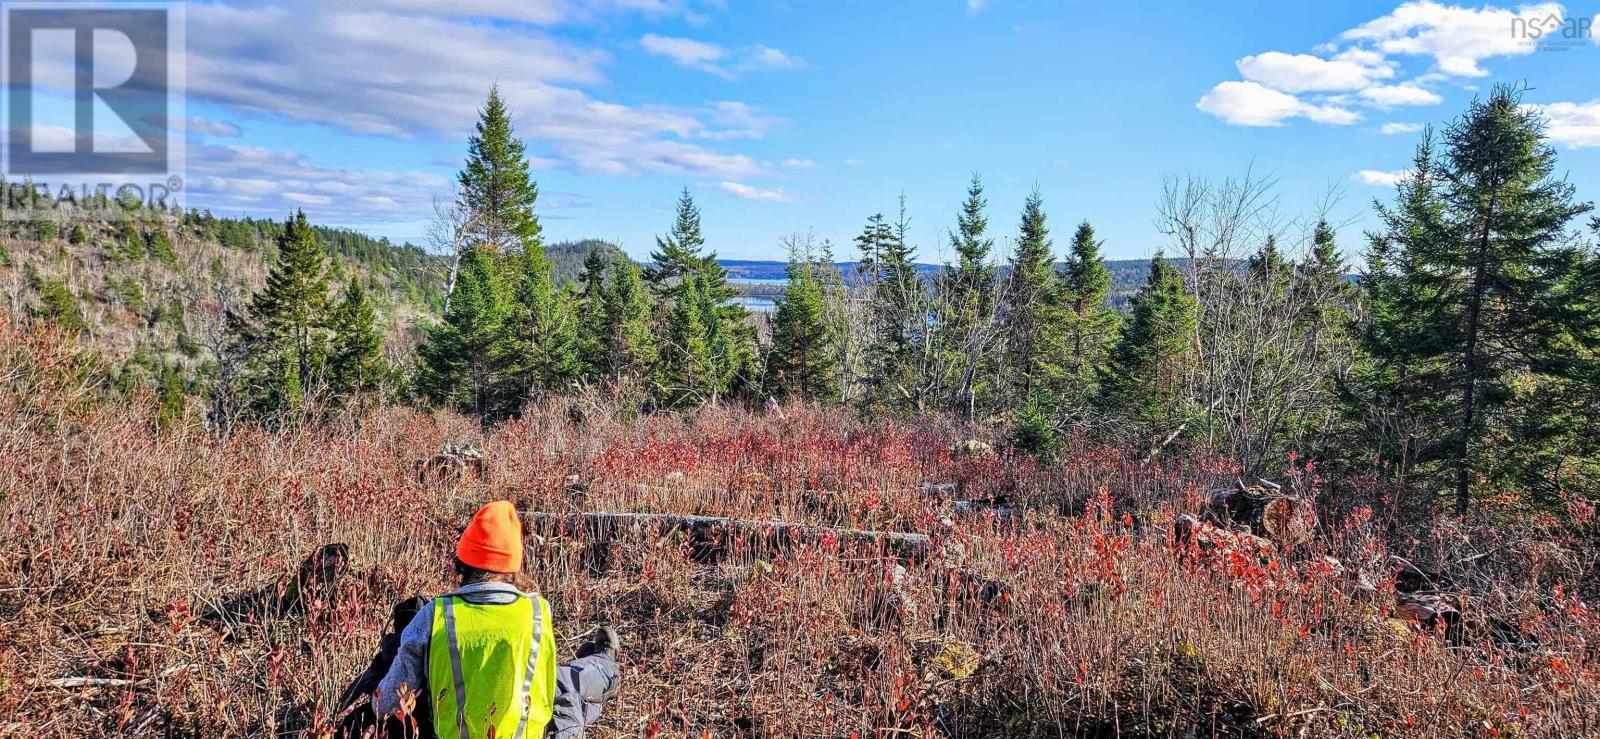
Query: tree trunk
point(1469, 384)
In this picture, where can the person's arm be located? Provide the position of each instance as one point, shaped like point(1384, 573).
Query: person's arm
point(410, 663)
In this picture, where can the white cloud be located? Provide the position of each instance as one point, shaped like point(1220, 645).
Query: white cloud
point(1456, 37)
point(240, 178)
point(976, 6)
point(748, 192)
point(208, 127)
point(1574, 124)
point(799, 164)
point(357, 67)
point(1379, 178)
point(686, 52)
point(1307, 73)
point(1388, 96)
point(717, 60)
point(1253, 104)
point(1391, 129)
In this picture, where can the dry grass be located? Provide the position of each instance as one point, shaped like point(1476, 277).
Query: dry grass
point(119, 539)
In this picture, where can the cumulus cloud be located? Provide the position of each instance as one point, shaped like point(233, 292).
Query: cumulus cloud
point(1572, 124)
point(1362, 68)
point(1457, 38)
point(1379, 178)
point(1391, 129)
point(357, 66)
point(718, 60)
point(1388, 96)
point(1254, 104)
point(1307, 73)
point(748, 192)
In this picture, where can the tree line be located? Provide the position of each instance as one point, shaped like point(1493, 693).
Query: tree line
point(1460, 362)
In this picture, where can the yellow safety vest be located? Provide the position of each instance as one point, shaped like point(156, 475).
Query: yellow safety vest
point(492, 668)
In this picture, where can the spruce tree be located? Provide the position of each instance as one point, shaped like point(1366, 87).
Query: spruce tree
point(898, 313)
point(1031, 315)
point(496, 189)
point(1143, 378)
point(464, 361)
point(286, 335)
point(590, 306)
point(1484, 306)
point(677, 253)
point(728, 338)
point(801, 360)
point(687, 375)
point(631, 344)
point(1089, 323)
point(542, 335)
point(968, 303)
point(356, 365)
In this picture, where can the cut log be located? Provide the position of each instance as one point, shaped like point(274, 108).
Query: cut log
point(1266, 511)
point(603, 525)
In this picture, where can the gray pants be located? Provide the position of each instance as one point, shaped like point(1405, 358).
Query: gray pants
point(582, 685)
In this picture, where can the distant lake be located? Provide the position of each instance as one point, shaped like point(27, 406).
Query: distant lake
point(755, 304)
point(734, 280)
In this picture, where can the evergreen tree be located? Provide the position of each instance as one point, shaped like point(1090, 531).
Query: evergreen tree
point(463, 362)
point(496, 188)
point(1143, 378)
point(542, 335)
point(973, 275)
point(897, 306)
point(593, 331)
point(801, 360)
point(1089, 323)
point(356, 365)
point(630, 346)
point(677, 254)
point(1479, 301)
point(1031, 318)
point(967, 305)
point(728, 338)
point(687, 364)
point(286, 334)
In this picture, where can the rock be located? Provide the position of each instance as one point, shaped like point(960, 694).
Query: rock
point(972, 448)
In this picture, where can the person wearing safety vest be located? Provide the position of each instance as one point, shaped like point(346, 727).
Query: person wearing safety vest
point(484, 654)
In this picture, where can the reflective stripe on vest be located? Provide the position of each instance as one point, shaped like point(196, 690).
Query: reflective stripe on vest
point(492, 666)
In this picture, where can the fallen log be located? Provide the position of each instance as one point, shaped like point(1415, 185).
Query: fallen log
point(604, 524)
point(1264, 509)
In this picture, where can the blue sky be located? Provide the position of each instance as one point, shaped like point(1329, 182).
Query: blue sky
point(796, 117)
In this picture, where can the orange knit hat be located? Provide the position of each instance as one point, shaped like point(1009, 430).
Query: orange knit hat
point(493, 541)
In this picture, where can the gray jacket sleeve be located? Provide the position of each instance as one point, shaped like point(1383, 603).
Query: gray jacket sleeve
point(410, 667)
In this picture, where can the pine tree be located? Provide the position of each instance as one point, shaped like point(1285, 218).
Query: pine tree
point(286, 333)
point(1483, 305)
point(1143, 378)
point(356, 365)
point(1031, 317)
point(801, 360)
point(1089, 322)
point(463, 362)
point(496, 188)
